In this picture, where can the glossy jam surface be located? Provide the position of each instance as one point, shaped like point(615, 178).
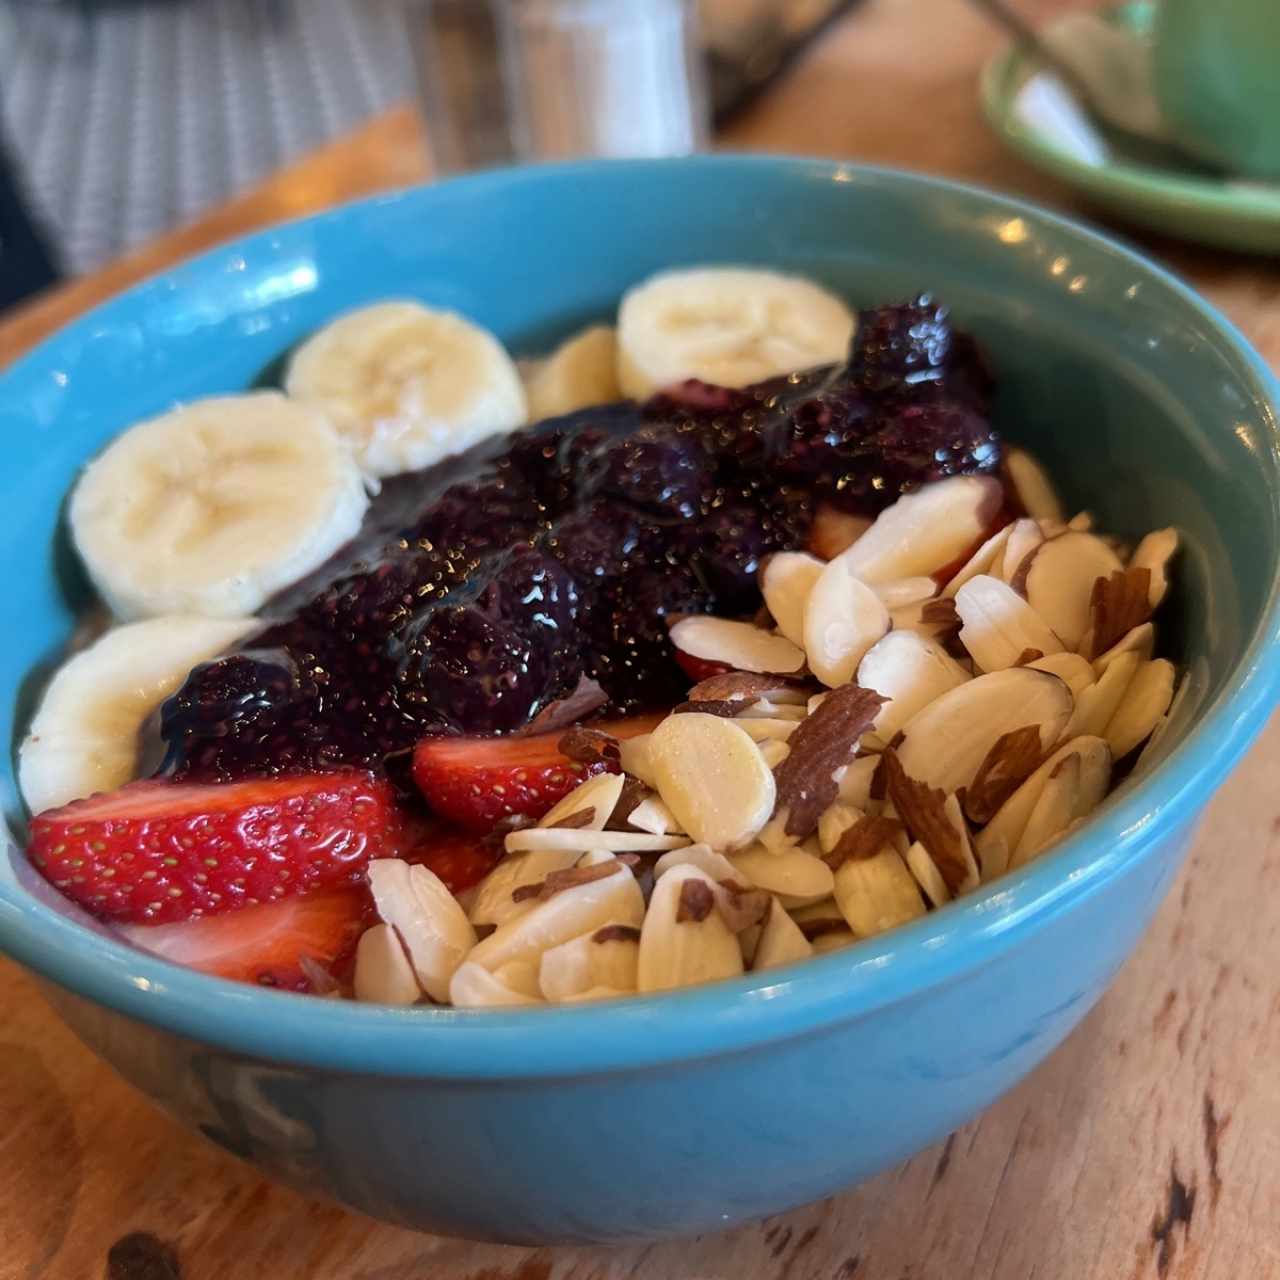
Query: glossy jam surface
point(485, 589)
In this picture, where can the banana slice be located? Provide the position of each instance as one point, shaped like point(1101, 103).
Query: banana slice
point(214, 507)
point(84, 738)
point(728, 325)
point(582, 371)
point(408, 385)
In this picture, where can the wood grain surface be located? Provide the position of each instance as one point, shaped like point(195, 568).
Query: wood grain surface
point(1148, 1146)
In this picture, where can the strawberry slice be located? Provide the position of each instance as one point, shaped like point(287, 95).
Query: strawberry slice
point(459, 858)
point(153, 852)
point(476, 782)
point(268, 944)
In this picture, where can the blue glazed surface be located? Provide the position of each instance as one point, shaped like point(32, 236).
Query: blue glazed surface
point(689, 1111)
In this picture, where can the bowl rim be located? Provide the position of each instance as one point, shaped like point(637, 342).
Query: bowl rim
point(729, 1016)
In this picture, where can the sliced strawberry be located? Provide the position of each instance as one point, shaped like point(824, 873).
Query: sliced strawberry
point(476, 782)
point(265, 944)
point(158, 851)
point(699, 669)
point(459, 858)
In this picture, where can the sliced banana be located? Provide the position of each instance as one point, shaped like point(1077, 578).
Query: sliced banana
point(580, 372)
point(731, 326)
point(214, 507)
point(84, 737)
point(408, 385)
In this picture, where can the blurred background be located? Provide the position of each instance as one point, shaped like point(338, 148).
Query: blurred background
point(120, 119)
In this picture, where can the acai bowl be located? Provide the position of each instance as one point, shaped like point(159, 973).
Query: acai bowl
point(561, 1123)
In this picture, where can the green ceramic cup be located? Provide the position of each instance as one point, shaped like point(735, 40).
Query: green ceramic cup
point(1217, 79)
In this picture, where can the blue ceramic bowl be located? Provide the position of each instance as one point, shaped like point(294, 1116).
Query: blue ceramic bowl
point(692, 1111)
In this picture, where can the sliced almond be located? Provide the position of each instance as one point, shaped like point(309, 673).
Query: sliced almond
point(702, 856)
point(774, 836)
point(780, 941)
point(1025, 538)
point(927, 876)
point(747, 686)
point(910, 671)
point(853, 782)
point(835, 821)
point(434, 928)
point(1055, 810)
point(607, 957)
point(579, 840)
point(596, 994)
point(1146, 757)
point(1118, 603)
point(843, 619)
point(679, 947)
point(987, 559)
point(634, 758)
point(759, 729)
point(999, 626)
point(900, 592)
point(383, 973)
point(474, 987)
point(832, 940)
point(1010, 823)
point(1154, 553)
point(1076, 671)
point(1031, 485)
point(653, 815)
point(877, 893)
point(993, 858)
point(599, 794)
point(493, 902)
point(1097, 704)
point(1060, 582)
point(795, 874)
point(786, 579)
point(614, 899)
point(1013, 757)
point(712, 777)
point(944, 745)
point(740, 645)
point(774, 752)
point(925, 530)
point(936, 821)
point(768, 709)
point(521, 976)
point(1145, 701)
point(1140, 640)
point(934, 619)
point(835, 531)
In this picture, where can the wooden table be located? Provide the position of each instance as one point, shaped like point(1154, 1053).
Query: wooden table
point(1148, 1146)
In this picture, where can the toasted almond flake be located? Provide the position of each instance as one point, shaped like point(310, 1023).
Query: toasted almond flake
point(474, 987)
point(941, 615)
point(634, 759)
point(1153, 553)
point(1010, 822)
point(1025, 539)
point(633, 793)
point(521, 976)
point(987, 559)
point(1081, 522)
point(383, 973)
point(1052, 528)
point(1144, 704)
point(702, 856)
point(761, 730)
point(1140, 640)
point(786, 579)
point(695, 902)
point(843, 618)
point(747, 686)
point(926, 874)
point(864, 839)
point(586, 840)
point(1013, 757)
point(1031, 485)
point(817, 928)
point(569, 878)
point(774, 752)
point(494, 901)
point(599, 794)
point(767, 709)
point(835, 940)
point(835, 531)
point(587, 697)
point(773, 835)
point(781, 941)
point(434, 928)
point(877, 893)
point(729, 708)
point(588, 962)
point(944, 745)
point(1060, 582)
point(1076, 671)
point(1118, 603)
point(796, 873)
point(853, 781)
point(822, 744)
point(999, 626)
point(909, 671)
point(1097, 704)
point(597, 994)
point(585, 745)
point(1054, 810)
point(994, 858)
point(678, 952)
point(653, 816)
point(711, 776)
point(900, 592)
point(925, 530)
point(614, 899)
point(742, 908)
point(836, 819)
point(739, 645)
point(934, 819)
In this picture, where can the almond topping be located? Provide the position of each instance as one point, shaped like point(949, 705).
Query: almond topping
point(573, 821)
point(740, 907)
point(728, 707)
point(1031, 485)
point(559, 881)
point(1012, 757)
point(695, 902)
point(748, 685)
point(924, 810)
point(1028, 656)
point(820, 745)
point(786, 579)
point(584, 745)
point(616, 933)
point(828, 924)
point(1119, 603)
point(863, 840)
point(739, 645)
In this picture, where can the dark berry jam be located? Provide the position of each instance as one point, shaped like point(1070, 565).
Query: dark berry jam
point(482, 590)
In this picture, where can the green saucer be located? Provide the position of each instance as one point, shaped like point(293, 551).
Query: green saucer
point(1229, 214)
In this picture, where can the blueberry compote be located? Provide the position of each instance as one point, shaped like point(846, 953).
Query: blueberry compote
point(486, 588)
